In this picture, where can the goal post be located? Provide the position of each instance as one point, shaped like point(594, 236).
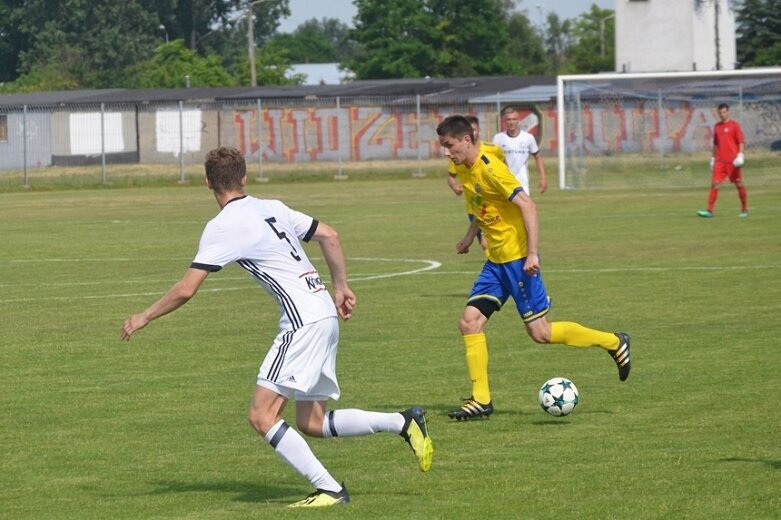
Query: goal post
point(618, 129)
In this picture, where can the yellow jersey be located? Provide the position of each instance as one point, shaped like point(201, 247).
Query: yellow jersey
point(485, 148)
point(489, 186)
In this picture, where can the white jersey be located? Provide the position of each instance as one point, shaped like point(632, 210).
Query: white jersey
point(264, 237)
point(516, 154)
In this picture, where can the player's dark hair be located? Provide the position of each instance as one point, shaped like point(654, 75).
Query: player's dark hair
point(723, 105)
point(506, 110)
point(473, 121)
point(455, 126)
point(225, 168)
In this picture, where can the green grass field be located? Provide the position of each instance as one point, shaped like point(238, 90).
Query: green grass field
point(95, 428)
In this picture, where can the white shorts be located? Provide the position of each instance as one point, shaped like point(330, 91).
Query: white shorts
point(523, 178)
point(302, 363)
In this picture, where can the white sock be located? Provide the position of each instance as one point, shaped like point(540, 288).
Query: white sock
point(294, 450)
point(352, 422)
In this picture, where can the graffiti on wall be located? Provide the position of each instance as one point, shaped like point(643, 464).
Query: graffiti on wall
point(329, 134)
point(768, 120)
point(641, 128)
point(367, 133)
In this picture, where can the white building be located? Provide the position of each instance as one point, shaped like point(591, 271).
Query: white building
point(674, 35)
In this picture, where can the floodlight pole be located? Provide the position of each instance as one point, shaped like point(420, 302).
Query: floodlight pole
point(541, 9)
point(602, 33)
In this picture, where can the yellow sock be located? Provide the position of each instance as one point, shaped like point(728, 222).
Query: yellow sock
point(576, 335)
point(477, 365)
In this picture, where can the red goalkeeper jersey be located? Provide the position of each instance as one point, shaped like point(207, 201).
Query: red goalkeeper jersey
point(727, 138)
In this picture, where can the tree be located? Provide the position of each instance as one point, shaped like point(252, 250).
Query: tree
point(594, 47)
point(395, 40)
point(558, 41)
point(758, 32)
point(228, 39)
point(272, 68)
point(475, 37)
point(12, 39)
point(173, 61)
point(525, 47)
point(316, 41)
point(47, 44)
point(50, 77)
point(194, 20)
point(769, 57)
point(90, 42)
point(442, 38)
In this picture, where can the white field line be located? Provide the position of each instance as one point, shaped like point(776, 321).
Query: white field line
point(428, 269)
point(429, 265)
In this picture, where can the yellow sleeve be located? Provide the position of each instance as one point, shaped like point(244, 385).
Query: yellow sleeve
point(495, 150)
point(451, 169)
point(501, 178)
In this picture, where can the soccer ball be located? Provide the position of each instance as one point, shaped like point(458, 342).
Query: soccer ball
point(558, 396)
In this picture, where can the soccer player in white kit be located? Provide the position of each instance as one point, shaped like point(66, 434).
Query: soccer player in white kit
point(517, 145)
point(264, 237)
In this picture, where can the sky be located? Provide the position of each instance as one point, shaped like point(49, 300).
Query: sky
point(303, 10)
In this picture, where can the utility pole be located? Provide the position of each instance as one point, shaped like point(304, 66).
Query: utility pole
point(251, 41)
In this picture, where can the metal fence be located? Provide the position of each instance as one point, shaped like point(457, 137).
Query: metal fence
point(611, 122)
point(602, 119)
point(175, 136)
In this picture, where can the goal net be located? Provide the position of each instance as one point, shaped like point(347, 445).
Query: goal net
point(618, 130)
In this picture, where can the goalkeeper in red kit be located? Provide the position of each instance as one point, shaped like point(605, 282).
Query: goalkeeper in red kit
point(726, 161)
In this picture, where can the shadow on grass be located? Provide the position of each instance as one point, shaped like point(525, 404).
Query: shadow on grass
point(773, 464)
point(245, 491)
point(439, 411)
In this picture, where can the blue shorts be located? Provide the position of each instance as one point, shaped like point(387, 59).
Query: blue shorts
point(497, 282)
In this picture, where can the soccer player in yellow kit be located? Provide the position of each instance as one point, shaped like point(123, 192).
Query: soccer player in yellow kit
point(485, 148)
point(508, 218)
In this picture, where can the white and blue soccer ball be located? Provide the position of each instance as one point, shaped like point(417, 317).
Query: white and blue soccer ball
point(558, 396)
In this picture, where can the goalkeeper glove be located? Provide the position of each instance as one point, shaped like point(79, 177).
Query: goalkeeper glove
point(739, 161)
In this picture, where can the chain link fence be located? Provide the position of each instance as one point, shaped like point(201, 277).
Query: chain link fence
point(631, 129)
point(616, 131)
point(278, 136)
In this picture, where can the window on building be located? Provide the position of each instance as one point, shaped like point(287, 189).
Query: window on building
point(3, 128)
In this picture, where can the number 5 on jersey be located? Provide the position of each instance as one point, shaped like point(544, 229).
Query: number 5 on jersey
point(283, 236)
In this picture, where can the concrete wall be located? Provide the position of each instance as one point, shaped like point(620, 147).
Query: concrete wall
point(673, 35)
point(39, 152)
point(76, 136)
point(159, 134)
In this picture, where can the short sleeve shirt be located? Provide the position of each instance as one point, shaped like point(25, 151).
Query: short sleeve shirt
point(264, 238)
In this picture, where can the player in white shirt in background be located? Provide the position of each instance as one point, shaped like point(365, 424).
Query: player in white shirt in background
point(264, 237)
point(517, 145)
